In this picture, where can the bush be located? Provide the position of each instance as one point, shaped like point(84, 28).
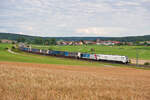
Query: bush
point(146, 63)
point(92, 50)
point(6, 48)
point(13, 47)
point(13, 42)
point(50, 49)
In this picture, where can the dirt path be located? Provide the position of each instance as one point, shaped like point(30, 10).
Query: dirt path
point(9, 50)
point(40, 46)
point(139, 61)
point(75, 68)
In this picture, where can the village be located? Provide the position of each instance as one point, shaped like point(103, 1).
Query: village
point(87, 42)
point(102, 42)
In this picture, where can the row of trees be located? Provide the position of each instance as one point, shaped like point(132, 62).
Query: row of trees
point(45, 41)
point(38, 40)
point(136, 43)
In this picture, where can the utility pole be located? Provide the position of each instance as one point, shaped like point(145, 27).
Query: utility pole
point(137, 57)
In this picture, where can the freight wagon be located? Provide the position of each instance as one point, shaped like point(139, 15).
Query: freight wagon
point(38, 51)
point(85, 56)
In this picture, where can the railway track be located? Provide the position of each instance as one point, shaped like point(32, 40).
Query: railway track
point(89, 60)
point(145, 66)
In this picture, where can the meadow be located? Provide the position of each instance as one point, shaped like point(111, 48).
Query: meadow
point(33, 58)
point(20, 56)
point(130, 51)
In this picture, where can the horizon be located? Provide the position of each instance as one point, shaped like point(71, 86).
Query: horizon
point(77, 18)
point(72, 36)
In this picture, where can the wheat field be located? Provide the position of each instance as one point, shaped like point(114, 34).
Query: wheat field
point(26, 81)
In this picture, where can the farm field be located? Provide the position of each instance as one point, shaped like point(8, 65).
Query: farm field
point(28, 81)
point(130, 51)
point(25, 76)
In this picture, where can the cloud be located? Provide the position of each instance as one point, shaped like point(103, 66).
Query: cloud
point(73, 17)
point(3, 30)
point(21, 33)
point(102, 31)
point(30, 28)
point(127, 3)
point(145, 0)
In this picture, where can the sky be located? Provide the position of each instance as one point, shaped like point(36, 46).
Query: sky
point(65, 18)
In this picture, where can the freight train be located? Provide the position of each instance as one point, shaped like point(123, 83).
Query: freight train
point(78, 55)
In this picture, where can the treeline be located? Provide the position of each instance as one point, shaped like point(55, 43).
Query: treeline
point(29, 39)
point(51, 41)
point(37, 40)
point(129, 39)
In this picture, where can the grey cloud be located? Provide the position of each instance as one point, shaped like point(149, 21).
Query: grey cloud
point(63, 17)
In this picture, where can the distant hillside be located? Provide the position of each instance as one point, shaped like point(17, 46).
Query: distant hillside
point(12, 36)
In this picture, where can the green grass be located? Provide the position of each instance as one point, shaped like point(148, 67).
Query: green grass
point(33, 58)
point(130, 51)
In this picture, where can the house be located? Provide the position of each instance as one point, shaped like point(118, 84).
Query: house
point(58, 42)
point(98, 40)
point(64, 43)
point(108, 42)
point(6, 41)
point(130, 43)
point(70, 43)
point(116, 42)
point(148, 42)
point(88, 42)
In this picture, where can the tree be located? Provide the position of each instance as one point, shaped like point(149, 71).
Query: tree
point(125, 43)
point(47, 41)
point(83, 41)
point(53, 41)
point(21, 39)
point(38, 41)
point(13, 42)
point(0, 41)
point(119, 44)
point(92, 50)
point(145, 43)
point(137, 43)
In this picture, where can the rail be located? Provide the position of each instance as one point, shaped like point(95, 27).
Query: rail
point(109, 62)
